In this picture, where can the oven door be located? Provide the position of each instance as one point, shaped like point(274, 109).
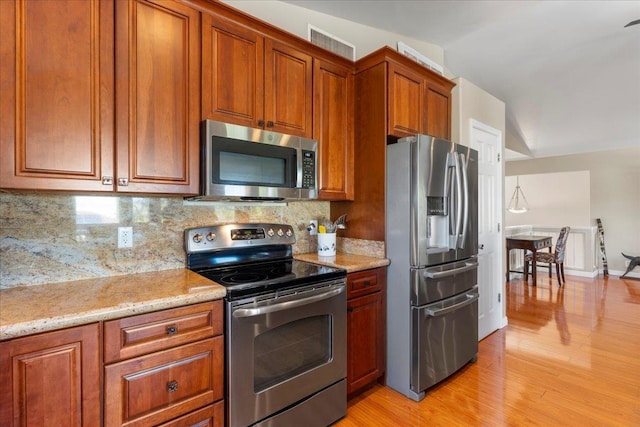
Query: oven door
point(284, 349)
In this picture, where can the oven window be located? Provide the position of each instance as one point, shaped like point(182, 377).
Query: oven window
point(246, 168)
point(291, 349)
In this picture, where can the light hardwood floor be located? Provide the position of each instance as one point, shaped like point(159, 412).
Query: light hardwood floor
point(569, 357)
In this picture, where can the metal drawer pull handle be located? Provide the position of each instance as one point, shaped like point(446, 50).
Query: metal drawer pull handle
point(437, 275)
point(172, 330)
point(471, 298)
point(172, 386)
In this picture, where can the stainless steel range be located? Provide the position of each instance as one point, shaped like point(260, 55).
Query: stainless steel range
point(285, 325)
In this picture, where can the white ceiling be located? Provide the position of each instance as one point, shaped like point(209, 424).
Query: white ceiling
point(568, 71)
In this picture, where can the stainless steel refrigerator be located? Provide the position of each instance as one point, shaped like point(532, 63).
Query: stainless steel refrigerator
point(432, 242)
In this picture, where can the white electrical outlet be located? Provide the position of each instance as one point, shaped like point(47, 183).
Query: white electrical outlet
point(125, 237)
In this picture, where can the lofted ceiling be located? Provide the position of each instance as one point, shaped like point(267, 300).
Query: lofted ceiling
point(568, 71)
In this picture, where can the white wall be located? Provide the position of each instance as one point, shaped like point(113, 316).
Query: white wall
point(555, 199)
point(295, 20)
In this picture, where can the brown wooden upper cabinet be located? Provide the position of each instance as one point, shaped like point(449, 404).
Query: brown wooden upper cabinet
point(59, 92)
point(395, 97)
point(158, 96)
point(57, 97)
point(253, 80)
point(333, 128)
point(418, 103)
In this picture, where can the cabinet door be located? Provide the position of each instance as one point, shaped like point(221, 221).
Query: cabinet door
point(51, 379)
point(56, 82)
point(406, 101)
point(232, 73)
point(438, 111)
point(365, 360)
point(288, 89)
point(158, 387)
point(333, 128)
point(158, 96)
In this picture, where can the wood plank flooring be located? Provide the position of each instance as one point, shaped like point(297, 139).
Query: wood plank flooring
point(569, 357)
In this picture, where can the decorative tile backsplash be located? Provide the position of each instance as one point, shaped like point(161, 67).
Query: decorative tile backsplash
point(48, 238)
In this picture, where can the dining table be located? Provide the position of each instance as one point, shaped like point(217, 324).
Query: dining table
point(526, 243)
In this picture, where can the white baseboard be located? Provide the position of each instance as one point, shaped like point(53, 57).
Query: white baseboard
point(590, 274)
point(569, 272)
point(619, 273)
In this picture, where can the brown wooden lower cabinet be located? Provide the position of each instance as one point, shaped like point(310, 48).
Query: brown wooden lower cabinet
point(168, 367)
point(155, 388)
point(51, 379)
point(366, 326)
point(162, 368)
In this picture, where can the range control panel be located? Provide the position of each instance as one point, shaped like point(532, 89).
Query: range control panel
point(201, 239)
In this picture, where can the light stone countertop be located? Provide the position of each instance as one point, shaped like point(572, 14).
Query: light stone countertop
point(29, 310)
point(349, 262)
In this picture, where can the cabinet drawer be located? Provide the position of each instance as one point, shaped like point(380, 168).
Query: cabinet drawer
point(137, 335)
point(211, 416)
point(364, 282)
point(152, 389)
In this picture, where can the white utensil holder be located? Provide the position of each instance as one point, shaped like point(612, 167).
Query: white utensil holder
point(326, 244)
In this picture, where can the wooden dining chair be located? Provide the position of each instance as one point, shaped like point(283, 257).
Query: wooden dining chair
point(556, 257)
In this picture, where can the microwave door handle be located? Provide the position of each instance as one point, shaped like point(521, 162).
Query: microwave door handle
point(465, 194)
point(299, 168)
point(260, 310)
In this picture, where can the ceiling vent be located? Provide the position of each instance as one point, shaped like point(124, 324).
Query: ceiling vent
point(330, 42)
point(417, 56)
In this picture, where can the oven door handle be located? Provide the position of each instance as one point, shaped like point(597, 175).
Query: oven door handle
point(258, 311)
point(442, 311)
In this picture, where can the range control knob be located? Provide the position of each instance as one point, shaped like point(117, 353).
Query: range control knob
point(197, 237)
point(211, 236)
point(289, 233)
point(270, 232)
point(280, 232)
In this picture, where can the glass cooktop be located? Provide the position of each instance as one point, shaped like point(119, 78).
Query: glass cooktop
point(262, 277)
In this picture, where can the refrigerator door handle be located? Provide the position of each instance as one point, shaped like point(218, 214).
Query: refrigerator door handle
point(440, 274)
point(459, 197)
point(465, 194)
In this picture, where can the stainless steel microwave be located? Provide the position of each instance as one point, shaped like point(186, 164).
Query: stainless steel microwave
point(240, 163)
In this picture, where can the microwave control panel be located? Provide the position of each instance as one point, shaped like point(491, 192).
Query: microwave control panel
point(308, 169)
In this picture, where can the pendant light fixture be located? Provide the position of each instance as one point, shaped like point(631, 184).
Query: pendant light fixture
point(518, 203)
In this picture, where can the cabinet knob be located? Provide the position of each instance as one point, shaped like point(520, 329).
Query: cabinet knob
point(367, 283)
point(172, 329)
point(123, 182)
point(269, 124)
point(260, 123)
point(172, 386)
point(107, 180)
